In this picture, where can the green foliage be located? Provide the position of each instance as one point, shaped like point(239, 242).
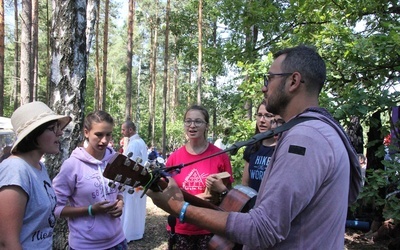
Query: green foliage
point(388, 182)
point(240, 130)
point(359, 41)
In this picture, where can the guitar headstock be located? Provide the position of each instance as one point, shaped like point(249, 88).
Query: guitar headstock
point(126, 172)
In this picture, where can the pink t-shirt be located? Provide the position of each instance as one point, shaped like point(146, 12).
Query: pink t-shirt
point(192, 178)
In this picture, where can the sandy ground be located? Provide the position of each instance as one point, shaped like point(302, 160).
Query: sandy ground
point(155, 236)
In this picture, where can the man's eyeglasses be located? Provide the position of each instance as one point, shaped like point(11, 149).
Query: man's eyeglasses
point(54, 128)
point(196, 123)
point(268, 77)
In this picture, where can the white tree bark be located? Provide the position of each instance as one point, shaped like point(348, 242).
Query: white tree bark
point(68, 80)
point(26, 58)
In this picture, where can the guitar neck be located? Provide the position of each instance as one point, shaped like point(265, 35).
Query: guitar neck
point(125, 171)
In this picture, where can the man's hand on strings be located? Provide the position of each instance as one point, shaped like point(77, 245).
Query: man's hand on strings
point(170, 199)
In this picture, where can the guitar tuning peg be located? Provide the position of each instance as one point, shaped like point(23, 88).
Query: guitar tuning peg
point(121, 188)
point(135, 167)
point(131, 190)
point(139, 160)
point(128, 181)
point(147, 164)
point(111, 184)
point(118, 178)
point(127, 162)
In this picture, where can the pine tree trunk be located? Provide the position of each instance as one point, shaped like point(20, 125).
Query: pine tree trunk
point(129, 54)
point(149, 125)
point(68, 77)
point(153, 73)
point(1, 56)
point(92, 29)
point(103, 86)
point(375, 162)
point(200, 52)
point(175, 91)
point(48, 52)
point(165, 89)
point(26, 58)
point(34, 51)
point(97, 77)
point(17, 85)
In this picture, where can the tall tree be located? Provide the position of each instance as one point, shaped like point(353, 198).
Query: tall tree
point(34, 48)
point(16, 89)
point(26, 50)
point(165, 96)
point(68, 75)
point(175, 88)
point(48, 52)
point(1, 56)
point(200, 51)
point(97, 62)
point(153, 73)
point(92, 30)
point(103, 85)
point(129, 54)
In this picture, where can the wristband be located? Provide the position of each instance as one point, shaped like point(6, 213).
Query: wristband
point(183, 211)
point(89, 209)
point(222, 195)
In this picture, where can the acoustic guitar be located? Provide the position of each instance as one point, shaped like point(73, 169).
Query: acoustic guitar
point(125, 172)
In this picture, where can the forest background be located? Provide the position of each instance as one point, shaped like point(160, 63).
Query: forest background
point(152, 60)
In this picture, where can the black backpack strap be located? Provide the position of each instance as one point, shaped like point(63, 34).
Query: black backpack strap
point(278, 130)
point(258, 137)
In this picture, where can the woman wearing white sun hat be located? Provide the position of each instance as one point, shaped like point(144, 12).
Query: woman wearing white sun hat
point(26, 193)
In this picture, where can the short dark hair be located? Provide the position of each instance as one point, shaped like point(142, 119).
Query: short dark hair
point(130, 124)
point(97, 116)
point(308, 63)
point(29, 142)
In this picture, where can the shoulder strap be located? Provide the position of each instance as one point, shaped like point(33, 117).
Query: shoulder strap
point(268, 134)
point(284, 127)
point(258, 137)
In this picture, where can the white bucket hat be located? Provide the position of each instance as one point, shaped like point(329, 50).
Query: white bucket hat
point(30, 116)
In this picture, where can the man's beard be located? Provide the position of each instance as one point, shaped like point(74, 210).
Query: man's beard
point(278, 102)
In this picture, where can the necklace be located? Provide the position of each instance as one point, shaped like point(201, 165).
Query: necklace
point(197, 150)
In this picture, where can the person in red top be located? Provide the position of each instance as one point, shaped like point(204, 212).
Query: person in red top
point(192, 178)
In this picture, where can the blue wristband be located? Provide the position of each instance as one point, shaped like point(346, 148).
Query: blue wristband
point(183, 211)
point(89, 209)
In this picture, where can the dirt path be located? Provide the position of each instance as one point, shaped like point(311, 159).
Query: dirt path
point(155, 236)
